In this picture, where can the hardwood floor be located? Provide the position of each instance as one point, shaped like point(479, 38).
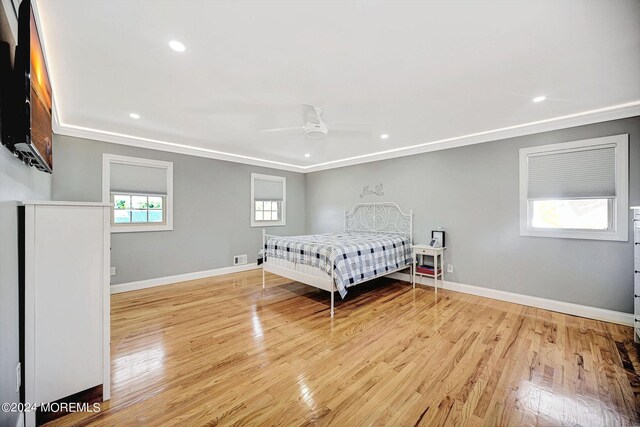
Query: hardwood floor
point(224, 351)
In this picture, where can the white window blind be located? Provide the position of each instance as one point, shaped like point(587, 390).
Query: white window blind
point(579, 173)
point(264, 189)
point(130, 178)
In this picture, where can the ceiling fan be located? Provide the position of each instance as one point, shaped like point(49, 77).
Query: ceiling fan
point(315, 128)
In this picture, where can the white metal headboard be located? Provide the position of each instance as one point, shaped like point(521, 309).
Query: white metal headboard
point(383, 217)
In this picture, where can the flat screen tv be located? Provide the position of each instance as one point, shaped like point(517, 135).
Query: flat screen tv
point(30, 133)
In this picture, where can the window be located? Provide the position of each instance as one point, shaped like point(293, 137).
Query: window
point(137, 209)
point(268, 210)
point(268, 197)
point(141, 191)
point(575, 189)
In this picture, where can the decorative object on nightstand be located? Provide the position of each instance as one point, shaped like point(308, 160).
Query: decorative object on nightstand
point(439, 235)
point(435, 243)
point(422, 268)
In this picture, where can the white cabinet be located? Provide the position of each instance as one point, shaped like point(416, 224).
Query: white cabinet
point(66, 299)
point(636, 272)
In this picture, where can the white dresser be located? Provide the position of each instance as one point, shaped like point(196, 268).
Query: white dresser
point(65, 257)
point(636, 272)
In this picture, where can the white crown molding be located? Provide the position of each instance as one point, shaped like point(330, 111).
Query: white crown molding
point(589, 312)
point(615, 112)
point(155, 144)
point(169, 280)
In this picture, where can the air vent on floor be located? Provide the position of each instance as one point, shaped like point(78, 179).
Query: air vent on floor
point(239, 259)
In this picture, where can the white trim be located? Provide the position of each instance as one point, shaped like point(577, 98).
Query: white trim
point(620, 220)
point(106, 304)
point(537, 302)
point(62, 203)
point(613, 112)
point(283, 220)
point(20, 420)
point(108, 160)
point(29, 311)
point(170, 280)
point(171, 147)
point(528, 300)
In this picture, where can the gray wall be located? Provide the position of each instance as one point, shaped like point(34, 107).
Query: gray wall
point(211, 209)
point(17, 182)
point(473, 192)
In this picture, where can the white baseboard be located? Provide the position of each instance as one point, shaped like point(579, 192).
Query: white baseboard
point(169, 280)
point(547, 304)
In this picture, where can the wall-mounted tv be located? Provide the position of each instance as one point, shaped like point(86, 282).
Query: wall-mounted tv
point(29, 133)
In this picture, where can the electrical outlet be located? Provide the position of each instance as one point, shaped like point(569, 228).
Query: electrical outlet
point(239, 259)
point(112, 270)
point(449, 268)
point(18, 377)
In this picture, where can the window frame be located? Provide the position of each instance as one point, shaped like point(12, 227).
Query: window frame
point(278, 209)
point(147, 195)
point(167, 225)
point(283, 217)
point(618, 208)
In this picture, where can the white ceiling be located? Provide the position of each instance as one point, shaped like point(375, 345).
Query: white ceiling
point(421, 72)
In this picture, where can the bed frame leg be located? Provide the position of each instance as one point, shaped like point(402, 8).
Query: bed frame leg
point(332, 303)
point(264, 253)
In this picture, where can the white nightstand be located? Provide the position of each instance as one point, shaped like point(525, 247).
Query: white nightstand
point(421, 251)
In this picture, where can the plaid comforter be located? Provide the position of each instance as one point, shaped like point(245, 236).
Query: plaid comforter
point(358, 256)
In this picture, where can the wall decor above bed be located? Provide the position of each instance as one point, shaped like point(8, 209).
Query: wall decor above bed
point(376, 191)
point(376, 241)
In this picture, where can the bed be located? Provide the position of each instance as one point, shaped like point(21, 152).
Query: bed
point(376, 241)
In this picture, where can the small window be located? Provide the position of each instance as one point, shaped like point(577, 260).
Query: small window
point(268, 196)
point(575, 189)
point(137, 209)
point(141, 191)
point(268, 210)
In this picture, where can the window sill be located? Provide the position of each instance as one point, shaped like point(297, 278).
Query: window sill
point(616, 236)
point(268, 224)
point(140, 228)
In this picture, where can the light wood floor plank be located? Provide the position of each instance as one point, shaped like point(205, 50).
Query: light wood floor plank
point(225, 351)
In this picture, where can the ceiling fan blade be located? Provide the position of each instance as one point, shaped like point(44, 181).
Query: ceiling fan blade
point(311, 113)
point(364, 127)
point(350, 133)
point(290, 129)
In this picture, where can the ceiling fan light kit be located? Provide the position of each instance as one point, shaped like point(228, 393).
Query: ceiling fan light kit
point(315, 130)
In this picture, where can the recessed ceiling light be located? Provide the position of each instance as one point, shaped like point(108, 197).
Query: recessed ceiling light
point(539, 98)
point(177, 46)
point(384, 136)
point(307, 155)
point(134, 115)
